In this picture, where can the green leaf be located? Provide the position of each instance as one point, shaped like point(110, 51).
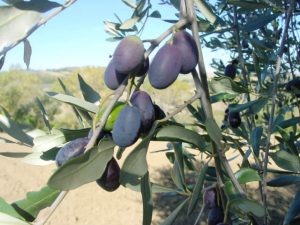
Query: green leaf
point(247, 206)
point(180, 134)
point(177, 175)
point(35, 5)
point(9, 220)
point(284, 181)
point(34, 202)
point(14, 154)
point(255, 139)
point(249, 4)
point(226, 85)
point(260, 21)
point(129, 23)
point(246, 175)
point(81, 104)
point(213, 130)
point(83, 169)
point(155, 14)
point(195, 113)
point(251, 105)
point(15, 24)
point(35, 158)
point(147, 199)
point(287, 123)
point(221, 96)
point(49, 141)
point(12, 129)
point(135, 165)
point(196, 196)
point(44, 113)
point(293, 210)
point(286, 160)
point(206, 11)
point(130, 3)
point(27, 52)
point(8, 209)
point(74, 134)
point(171, 218)
point(89, 94)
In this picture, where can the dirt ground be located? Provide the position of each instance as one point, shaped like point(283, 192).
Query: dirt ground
point(90, 205)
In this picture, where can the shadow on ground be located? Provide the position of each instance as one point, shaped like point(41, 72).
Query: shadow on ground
point(279, 200)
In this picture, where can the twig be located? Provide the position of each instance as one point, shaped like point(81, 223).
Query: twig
point(43, 21)
point(58, 200)
point(274, 95)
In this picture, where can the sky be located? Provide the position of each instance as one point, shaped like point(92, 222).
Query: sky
point(76, 37)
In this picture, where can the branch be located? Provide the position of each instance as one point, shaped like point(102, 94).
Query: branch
point(206, 105)
point(58, 200)
point(274, 95)
point(39, 24)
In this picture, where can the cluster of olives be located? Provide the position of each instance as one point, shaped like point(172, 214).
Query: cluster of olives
point(230, 69)
point(109, 180)
point(215, 214)
point(180, 55)
point(232, 118)
point(135, 119)
point(128, 59)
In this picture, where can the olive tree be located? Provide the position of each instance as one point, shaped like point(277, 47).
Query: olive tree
point(258, 86)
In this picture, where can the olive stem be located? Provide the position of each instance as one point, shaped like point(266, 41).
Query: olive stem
point(274, 95)
point(42, 21)
point(55, 204)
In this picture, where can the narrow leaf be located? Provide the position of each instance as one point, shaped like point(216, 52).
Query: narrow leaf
point(8, 209)
point(12, 129)
point(213, 130)
point(74, 101)
point(35, 202)
point(83, 169)
point(27, 52)
point(255, 139)
point(44, 113)
point(247, 206)
point(131, 172)
point(9, 220)
point(129, 23)
point(2, 60)
point(260, 21)
point(286, 160)
point(294, 209)
point(171, 218)
point(155, 14)
point(284, 181)
point(196, 196)
point(246, 175)
point(147, 199)
point(87, 91)
point(180, 134)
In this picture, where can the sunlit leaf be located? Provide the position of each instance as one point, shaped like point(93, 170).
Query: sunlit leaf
point(74, 101)
point(8, 209)
point(147, 199)
point(83, 169)
point(132, 172)
point(87, 91)
point(15, 25)
point(245, 175)
point(129, 23)
point(9, 220)
point(35, 202)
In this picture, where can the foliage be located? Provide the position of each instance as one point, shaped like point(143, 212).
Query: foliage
point(260, 122)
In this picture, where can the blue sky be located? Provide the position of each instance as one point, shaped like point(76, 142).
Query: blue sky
point(76, 37)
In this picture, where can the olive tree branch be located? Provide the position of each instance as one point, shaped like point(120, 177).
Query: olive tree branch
point(205, 102)
point(42, 21)
point(55, 204)
point(274, 95)
point(118, 93)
